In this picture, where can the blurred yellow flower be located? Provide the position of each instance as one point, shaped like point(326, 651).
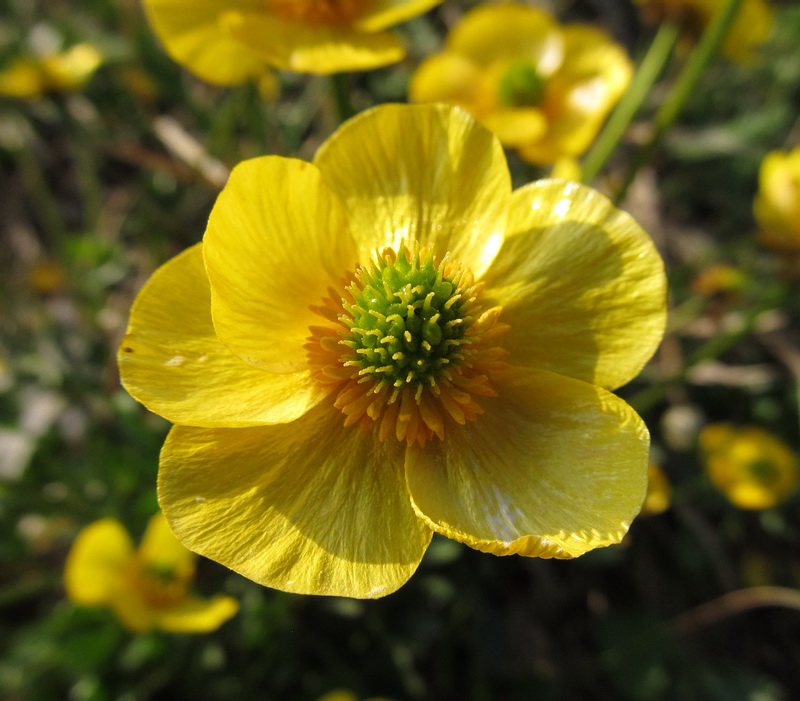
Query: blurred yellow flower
point(229, 41)
point(328, 421)
point(777, 205)
point(751, 467)
point(719, 279)
point(66, 71)
point(542, 88)
point(659, 492)
point(146, 588)
point(751, 27)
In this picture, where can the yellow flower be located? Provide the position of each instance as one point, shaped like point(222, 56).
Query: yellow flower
point(146, 588)
point(659, 492)
point(751, 467)
point(229, 41)
point(542, 88)
point(67, 71)
point(751, 27)
point(329, 420)
point(777, 205)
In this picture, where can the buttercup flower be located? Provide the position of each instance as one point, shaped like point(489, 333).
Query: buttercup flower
point(751, 27)
point(751, 467)
point(542, 88)
point(229, 41)
point(67, 71)
point(146, 588)
point(777, 205)
point(387, 342)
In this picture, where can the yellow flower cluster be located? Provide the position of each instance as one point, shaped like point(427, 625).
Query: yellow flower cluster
point(67, 71)
point(542, 88)
point(388, 342)
point(147, 588)
point(754, 469)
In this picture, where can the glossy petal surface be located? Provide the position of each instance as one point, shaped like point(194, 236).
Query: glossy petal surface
point(581, 285)
point(193, 35)
point(276, 240)
point(96, 562)
point(305, 507)
point(312, 48)
point(172, 361)
point(425, 172)
point(554, 468)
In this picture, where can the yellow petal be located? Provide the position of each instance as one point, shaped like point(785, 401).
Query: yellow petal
point(311, 48)
point(161, 549)
point(172, 361)
point(445, 77)
point(133, 611)
point(381, 14)
point(22, 77)
point(424, 172)
point(516, 126)
point(276, 240)
point(71, 69)
point(492, 33)
point(193, 35)
point(196, 615)
point(581, 285)
point(553, 468)
point(95, 562)
point(307, 507)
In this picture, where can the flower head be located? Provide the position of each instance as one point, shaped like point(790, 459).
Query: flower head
point(388, 341)
point(777, 205)
point(66, 71)
point(542, 88)
point(751, 27)
point(229, 41)
point(146, 588)
point(753, 468)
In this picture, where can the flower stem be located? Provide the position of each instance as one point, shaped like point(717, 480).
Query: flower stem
point(651, 67)
point(683, 88)
point(340, 87)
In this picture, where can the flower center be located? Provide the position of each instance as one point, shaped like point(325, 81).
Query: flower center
point(318, 11)
point(161, 586)
point(764, 471)
point(521, 86)
point(411, 347)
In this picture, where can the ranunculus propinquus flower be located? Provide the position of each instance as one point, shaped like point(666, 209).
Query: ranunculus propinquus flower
point(65, 71)
point(230, 41)
point(147, 588)
point(387, 342)
point(751, 467)
point(751, 27)
point(543, 88)
point(777, 205)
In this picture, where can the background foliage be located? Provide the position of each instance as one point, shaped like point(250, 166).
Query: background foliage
point(98, 188)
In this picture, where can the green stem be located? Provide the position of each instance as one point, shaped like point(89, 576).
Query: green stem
point(340, 87)
point(651, 67)
point(683, 89)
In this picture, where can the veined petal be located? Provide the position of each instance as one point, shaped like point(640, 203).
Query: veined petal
point(160, 548)
point(581, 285)
point(192, 34)
point(196, 615)
point(490, 33)
point(96, 561)
point(276, 241)
point(306, 507)
point(554, 468)
point(385, 13)
point(312, 48)
point(172, 361)
point(445, 77)
point(425, 172)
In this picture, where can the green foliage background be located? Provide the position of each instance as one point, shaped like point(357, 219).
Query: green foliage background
point(92, 194)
